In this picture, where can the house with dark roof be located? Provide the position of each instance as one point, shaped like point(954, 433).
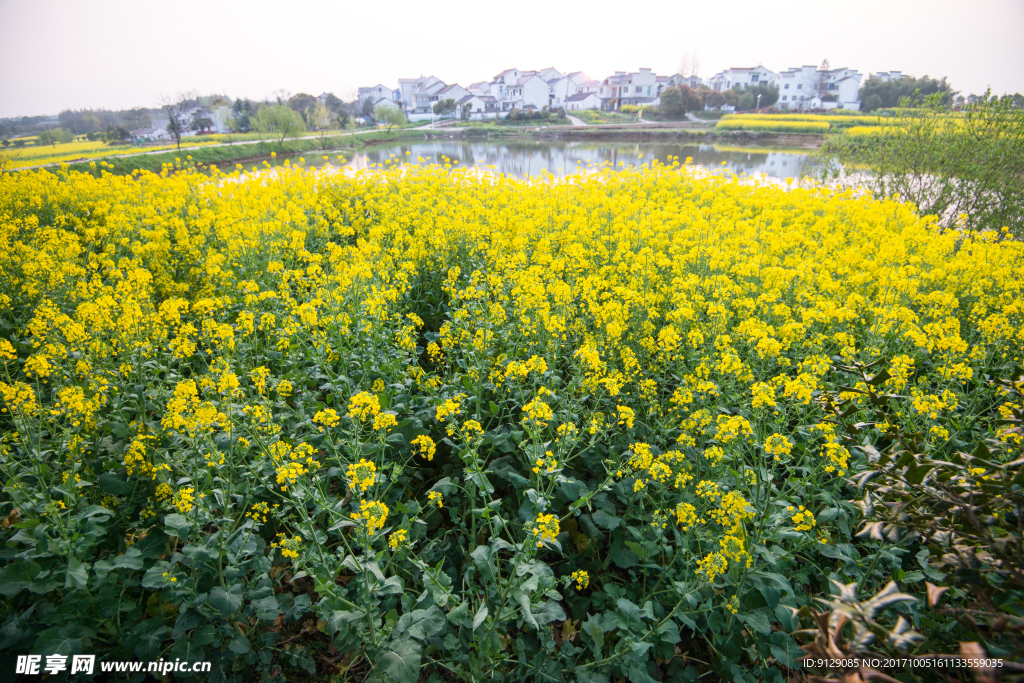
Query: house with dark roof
point(478, 107)
point(454, 92)
point(583, 100)
point(563, 87)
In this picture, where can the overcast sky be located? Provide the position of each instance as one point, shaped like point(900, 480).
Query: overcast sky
point(114, 54)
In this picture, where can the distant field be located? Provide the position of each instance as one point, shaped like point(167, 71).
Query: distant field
point(94, 151)
point(71, 151)
point(801, 123)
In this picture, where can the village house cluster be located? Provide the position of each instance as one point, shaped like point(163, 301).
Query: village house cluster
point(800, 88)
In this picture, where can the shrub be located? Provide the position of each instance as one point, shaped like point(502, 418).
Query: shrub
point(965, 169)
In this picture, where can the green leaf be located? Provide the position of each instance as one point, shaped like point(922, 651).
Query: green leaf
point(504, 468)
point(266, 608)
point(227, 601)
point(596, 626)
point(482, 559)
point(17, 576)
point(239, 644)
point(393, 585)
point(827, 515)
point(205, 635)
point(154, 576)
point(132, 559)
point(606, 521)
point(421, 623)
point(524, 602)
point(771, 586)
point(115, 485)
point(460, 615)
point(756, 621)
point(337, 619)
point(481, 481)
point(77, 575)
point(178, 525)
point(480, 616)
point(401, 662)
point(548, 611)
point(623, 557)
point(630, 617)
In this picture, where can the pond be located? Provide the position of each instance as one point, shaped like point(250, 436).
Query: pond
point(529, 157)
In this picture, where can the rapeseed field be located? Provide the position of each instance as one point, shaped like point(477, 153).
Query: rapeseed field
point(418, 422)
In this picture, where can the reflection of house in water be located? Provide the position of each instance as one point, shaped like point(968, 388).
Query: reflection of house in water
point(774, 164)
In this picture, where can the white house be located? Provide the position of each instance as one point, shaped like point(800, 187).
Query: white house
point(583, 100)
point(418, 95)
point(587, 87)
point(888, 75)
point(741, 77)
point(640, 87)
point(478, 107)
point(221, 119)
point(844, 85)
point(798, 87)
point(151, 134)
point(562, 88)
point(454, 92)
point(515, 89)
point(807, 87)
point(480, 88)
point(376, 92)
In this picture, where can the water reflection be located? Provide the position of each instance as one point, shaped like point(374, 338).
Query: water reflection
point(530, 157)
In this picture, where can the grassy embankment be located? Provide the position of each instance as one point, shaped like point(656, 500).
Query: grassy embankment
point(223, 155)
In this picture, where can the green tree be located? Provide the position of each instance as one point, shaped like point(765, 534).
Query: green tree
point(137, 117)
point(913, 90)
point(117, 136)
point(390, 116)
point(713, 98)
point(769, 94)
point(51, 136)
point(671, 107)
point(333, 103)
point(317, 116)
point(691, 100)
point(445, 107)
point(367, 108)
point(242, 112)
point(301, 102)
point(279, 121)
point(746, 101)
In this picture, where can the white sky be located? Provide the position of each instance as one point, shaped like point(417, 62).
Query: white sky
point(115, 54)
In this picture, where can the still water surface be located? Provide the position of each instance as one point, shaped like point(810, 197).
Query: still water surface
point(529, 157)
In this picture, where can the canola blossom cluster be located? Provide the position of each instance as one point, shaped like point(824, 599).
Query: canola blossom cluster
point(467, 390)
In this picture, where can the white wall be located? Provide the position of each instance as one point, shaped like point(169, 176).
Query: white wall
point(535, 92)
